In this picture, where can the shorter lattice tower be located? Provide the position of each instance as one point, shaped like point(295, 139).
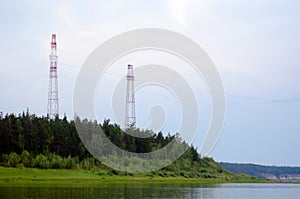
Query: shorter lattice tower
point(130, 119)
point(53, 109)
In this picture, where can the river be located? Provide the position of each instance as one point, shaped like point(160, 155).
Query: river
point(216, 191)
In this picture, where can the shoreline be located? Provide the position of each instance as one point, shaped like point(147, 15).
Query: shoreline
point(26, 177)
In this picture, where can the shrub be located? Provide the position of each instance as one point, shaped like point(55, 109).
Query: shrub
point(87, 163)
point(70, 163)
point(13, 159)
point(42, 161)
point(56, 162)
point(4, 158)
point(20, 166)
point(26, 158)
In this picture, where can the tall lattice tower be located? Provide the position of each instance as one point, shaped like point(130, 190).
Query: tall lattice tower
point(130, 119)
point(53, 84)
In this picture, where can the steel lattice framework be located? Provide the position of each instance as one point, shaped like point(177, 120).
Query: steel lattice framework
point(53, 108)
point(130, 120)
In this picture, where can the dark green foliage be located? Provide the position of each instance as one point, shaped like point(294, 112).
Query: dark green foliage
point(30, 141)
point(39, 135)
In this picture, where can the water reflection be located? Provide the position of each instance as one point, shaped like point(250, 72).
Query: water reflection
point(108, 191)
point(224, 191)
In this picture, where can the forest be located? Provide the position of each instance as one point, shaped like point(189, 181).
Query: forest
point(260, 171)
point(27, 140)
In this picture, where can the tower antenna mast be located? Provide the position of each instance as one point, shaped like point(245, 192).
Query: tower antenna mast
point(53, 109)
point(130, 120)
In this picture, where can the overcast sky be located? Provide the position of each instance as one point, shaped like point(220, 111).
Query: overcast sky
point(255, 46)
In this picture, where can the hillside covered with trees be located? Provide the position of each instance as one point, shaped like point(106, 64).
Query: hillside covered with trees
point(27, 140)
point(264, 172)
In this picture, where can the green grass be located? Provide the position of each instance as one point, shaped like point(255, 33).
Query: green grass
point(60, 177)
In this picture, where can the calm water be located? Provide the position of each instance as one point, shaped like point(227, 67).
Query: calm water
point(219, 191)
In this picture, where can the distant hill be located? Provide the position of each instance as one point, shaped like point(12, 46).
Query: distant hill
point(286, 174)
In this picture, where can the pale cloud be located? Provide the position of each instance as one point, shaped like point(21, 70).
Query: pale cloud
point(179, 9)
point(65, 16)
point(246, 39)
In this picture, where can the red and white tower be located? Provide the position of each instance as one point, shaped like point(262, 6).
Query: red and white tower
point(130, 99)
point(53, 84)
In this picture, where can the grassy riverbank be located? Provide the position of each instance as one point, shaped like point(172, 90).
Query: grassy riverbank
point(61, 177)
point(38, 151)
